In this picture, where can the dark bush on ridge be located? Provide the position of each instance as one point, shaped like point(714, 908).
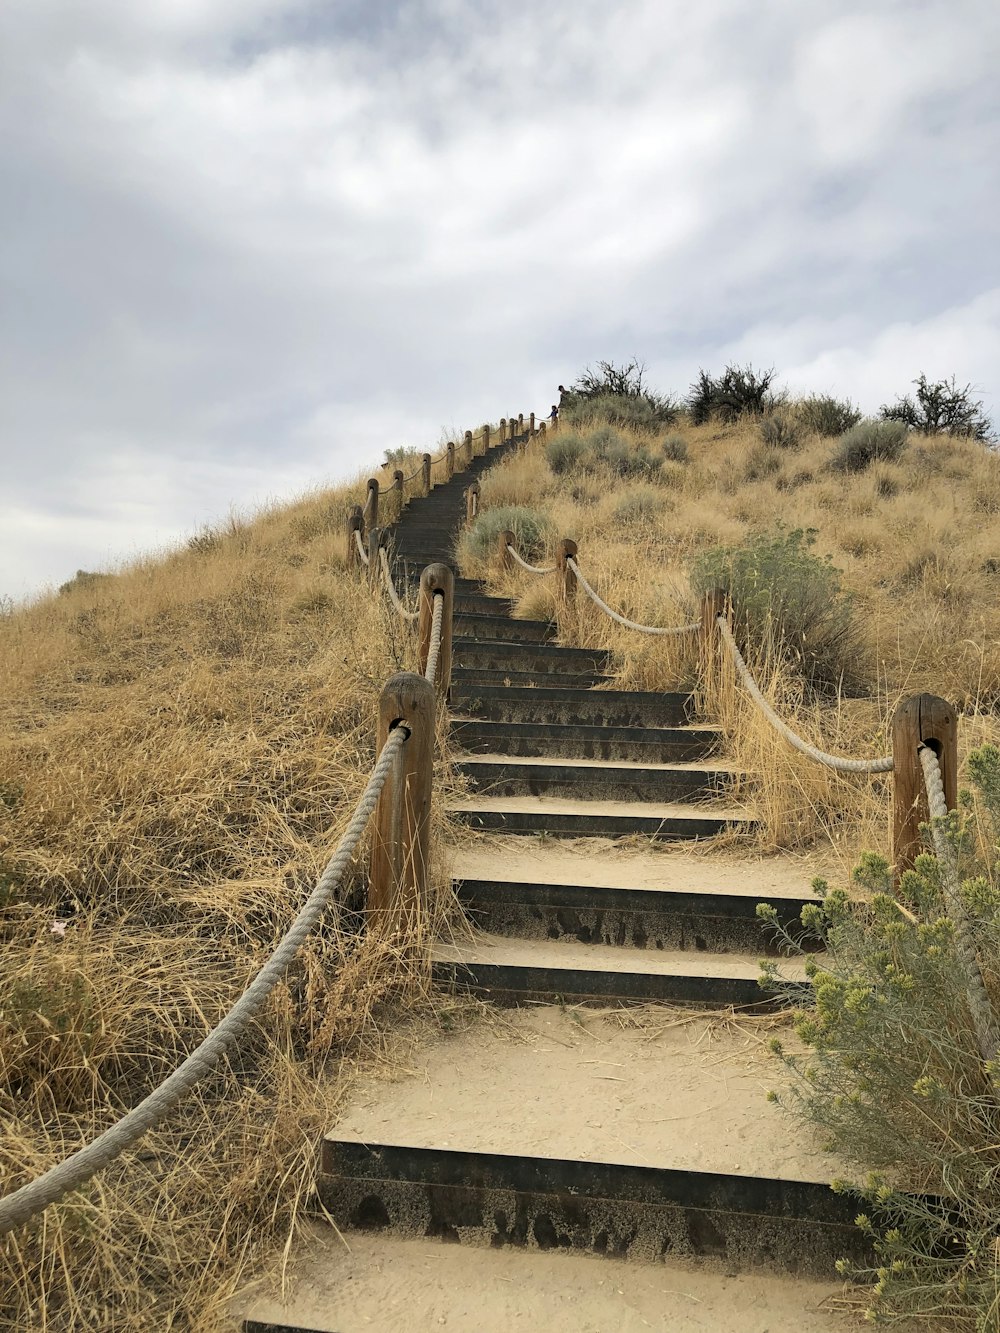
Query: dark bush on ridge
point(738, 391)
point(940, 408)
point(619, 396)
point(819, 414)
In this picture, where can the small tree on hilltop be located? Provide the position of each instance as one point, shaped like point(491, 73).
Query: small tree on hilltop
point(738, 390)
point(940, 408)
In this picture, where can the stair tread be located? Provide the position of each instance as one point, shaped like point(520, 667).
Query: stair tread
point(684, 1094)
point(559, 805)
point(629, 765)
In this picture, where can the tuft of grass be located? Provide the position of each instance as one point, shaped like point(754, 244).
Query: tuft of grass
point(780, 430)
point(869, 442)
point(821, 414)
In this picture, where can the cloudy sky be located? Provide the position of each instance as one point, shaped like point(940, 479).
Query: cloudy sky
point(248, 244)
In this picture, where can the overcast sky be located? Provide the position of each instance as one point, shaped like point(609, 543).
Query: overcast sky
point(248, 244)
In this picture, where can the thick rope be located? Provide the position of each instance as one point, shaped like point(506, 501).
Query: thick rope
point(361, 547)
point(983, 1018)
point(883, 765)
point(70, 1174)
point(394, 596)
point(532, 569)
point(623, 620)
point(434, 647)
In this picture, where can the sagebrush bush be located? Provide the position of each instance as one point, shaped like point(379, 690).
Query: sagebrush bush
point(820, 414)
point(780, 430)
point(607, 447)
point(674, 448)
point(894, 1075)
point(780, 590)
point(563, 452)
point(738, 391)
point(529, 526)
point(638, 507)
point(938, 408)
point(868, 442)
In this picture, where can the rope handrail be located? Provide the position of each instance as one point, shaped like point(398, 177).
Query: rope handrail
point(434, 647)
point(884, 764)
point(79, 1167)
point(980, 1008)
point(532, 569)
point(394, 596)
point(361, 547)
point(691, 628)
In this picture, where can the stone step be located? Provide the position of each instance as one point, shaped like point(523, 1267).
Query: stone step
point(577, 818)
point(494, 655)
point(594, 779)
point(665, 917)
point(539, 739)
point(562, 1130)
point(466, 677)
point(557, 705)
point(493, 628)
point(513, 971)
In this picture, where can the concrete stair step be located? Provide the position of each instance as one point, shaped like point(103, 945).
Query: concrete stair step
point(565, 1132)
point(496, 655)
point(387, 1283)
point(595, 779)
point(466, 677)
point(473, 627)
point(555, 704)
point(539, 739)
point(513, 971)
point(578, 818)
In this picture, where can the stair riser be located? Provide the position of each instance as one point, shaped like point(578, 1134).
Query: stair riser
point(639, 1213)
point(597, 826)
point(590, 784)
point(501, 630)
point(536, 658)
point(478, 604)
point(465, 676)
point(626, 918)
point(597, 708)
point(675, 746)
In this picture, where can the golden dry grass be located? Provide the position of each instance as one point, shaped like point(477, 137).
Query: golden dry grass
point(180, 746)
point(918, 542)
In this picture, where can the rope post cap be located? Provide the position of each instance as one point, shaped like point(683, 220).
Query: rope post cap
point(565, 552)
point(921, 720)
point(398, 479)
point(436, 580)
point(372, 484)
point(505, 540)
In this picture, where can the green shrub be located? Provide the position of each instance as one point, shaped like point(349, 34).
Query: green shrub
point(529, 526)
point(619, 396)
point(738, 391)
point(780, 430)
point(820, 414)
point(940, 408)
point(894, 1075)
point(674, 448)
point(781, 591)
point(624, 460)
point(564, 452)
point(868, 442)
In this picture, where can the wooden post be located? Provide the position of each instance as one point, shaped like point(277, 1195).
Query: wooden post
point(371, 503)
point(923, 719)
point(450, 465)
point(565, 578)
point(437, 579)
point(471, 502)
point(397, 885)
point(503, 430)
point(355, 523)
point(713, 605)
point(470, 445)
point(374, 564)
point(398, 482)
point(425, 470)
point(506, 559)
point(486, 439)
point(520, 423)
point(541, 431)
point(531, 425)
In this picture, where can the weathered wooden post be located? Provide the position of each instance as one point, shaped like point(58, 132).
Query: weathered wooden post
point(486, 440)
point(436, 581)
point(470, 445)
point(425, 473)
point(398, 482)
point(505, 540)
point(355, 524)
point(471, 503)
point(503, 430)
point(397, 885)
point(531, 425)
point(713, 605)
point(371, 503)
point(374, 542)
point(565, 578)
point(520, 423)
point(923, 719)
point(450, 465)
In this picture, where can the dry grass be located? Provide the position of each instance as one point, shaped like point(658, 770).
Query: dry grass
point(180, 746)
point(918, 542)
